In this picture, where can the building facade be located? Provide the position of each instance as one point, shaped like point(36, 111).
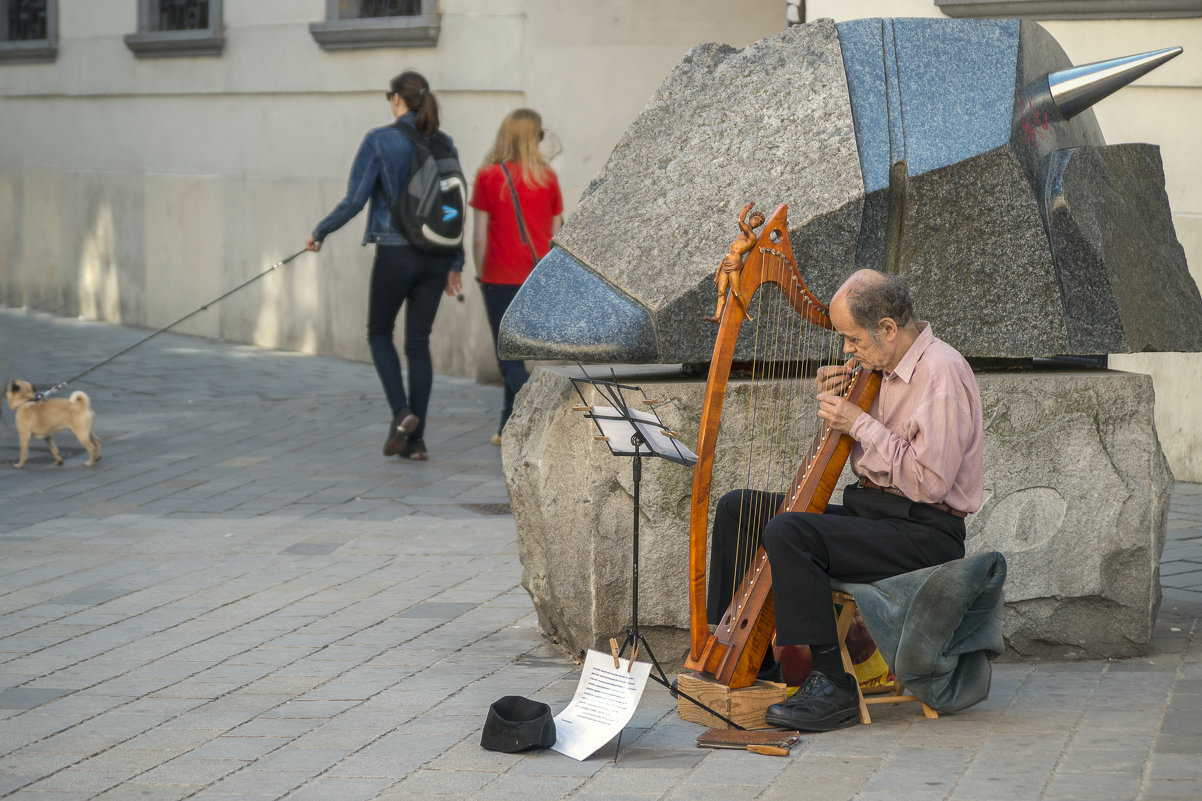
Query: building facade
point(156, 153)
point(146, 170)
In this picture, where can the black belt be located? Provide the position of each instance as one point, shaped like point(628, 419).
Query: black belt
point(943, 507)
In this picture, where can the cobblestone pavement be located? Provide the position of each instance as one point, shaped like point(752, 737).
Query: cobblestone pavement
point(245, 600)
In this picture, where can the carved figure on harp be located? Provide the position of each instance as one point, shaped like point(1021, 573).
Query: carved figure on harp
point(918, 458)
point(728, 273)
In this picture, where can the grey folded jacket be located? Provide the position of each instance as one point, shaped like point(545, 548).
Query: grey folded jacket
point(938, 628)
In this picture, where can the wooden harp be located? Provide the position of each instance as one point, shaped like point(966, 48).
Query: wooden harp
point(732, 654)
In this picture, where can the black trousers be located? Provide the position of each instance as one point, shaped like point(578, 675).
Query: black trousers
point(401, 275)
point(872, 536)
point(497, 298)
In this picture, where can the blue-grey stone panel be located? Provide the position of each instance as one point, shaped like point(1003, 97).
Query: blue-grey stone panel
point(957, 87)
point(566, 311)
point(868, 57)
point(870, 62)
point(929, 92)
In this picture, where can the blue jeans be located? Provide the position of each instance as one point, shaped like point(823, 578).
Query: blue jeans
point(416, 279)
point(497, 298)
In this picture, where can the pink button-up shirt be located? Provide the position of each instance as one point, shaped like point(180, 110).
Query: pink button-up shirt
point(924, 435)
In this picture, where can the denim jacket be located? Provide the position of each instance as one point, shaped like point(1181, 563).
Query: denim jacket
point(380, 169)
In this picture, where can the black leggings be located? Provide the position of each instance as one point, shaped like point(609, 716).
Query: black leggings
point(400, 274)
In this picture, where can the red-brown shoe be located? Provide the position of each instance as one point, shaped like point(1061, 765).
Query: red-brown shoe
point(404, 423)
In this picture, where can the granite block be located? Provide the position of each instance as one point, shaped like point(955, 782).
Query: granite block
point(1076, 498)
point(1102, 267)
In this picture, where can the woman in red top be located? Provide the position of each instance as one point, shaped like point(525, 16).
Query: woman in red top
point(503, 250)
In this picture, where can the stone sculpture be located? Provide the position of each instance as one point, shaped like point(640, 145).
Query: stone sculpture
point(960, 153)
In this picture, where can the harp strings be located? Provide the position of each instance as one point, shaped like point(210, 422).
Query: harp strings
point(831, 353)
point(750, 507)
point(782, 423)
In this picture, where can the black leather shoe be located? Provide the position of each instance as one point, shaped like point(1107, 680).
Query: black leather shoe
point(820, 705)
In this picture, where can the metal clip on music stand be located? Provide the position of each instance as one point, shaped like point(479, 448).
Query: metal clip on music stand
point(628, 432)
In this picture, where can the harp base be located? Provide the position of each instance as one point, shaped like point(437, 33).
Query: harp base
point(745, 706)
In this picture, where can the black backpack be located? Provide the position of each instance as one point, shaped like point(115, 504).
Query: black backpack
point(432, 204)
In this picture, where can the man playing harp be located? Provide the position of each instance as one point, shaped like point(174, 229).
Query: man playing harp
point(918, 458)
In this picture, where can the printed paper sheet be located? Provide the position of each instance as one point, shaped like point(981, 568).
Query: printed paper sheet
point(605, 701)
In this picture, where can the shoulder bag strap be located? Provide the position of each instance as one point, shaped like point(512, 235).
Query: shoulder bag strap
point(415, 138)
point(517, 209)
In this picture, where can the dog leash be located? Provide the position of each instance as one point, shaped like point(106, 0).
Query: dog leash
point(57, 387)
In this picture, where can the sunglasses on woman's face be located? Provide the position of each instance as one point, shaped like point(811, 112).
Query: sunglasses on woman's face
point(388, 96)
point(541, 133)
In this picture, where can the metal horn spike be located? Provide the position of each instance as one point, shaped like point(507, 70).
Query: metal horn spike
point(1075, 89)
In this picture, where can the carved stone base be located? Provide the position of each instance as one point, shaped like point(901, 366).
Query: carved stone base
point(1076, 497)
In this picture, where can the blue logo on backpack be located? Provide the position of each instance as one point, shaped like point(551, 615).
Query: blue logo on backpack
point(429, 209)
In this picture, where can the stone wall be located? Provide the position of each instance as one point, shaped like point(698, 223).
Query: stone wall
point(1076, 497)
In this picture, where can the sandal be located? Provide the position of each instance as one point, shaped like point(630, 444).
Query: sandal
point(415, 450)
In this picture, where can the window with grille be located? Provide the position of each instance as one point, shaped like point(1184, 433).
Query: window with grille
point(182, 15)
point(389, 8)
point(28, 30)
point(177, 28)
point(26, 20)
point(353, 24)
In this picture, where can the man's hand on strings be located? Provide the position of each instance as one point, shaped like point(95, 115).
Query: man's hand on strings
point(834, 378)
point(838, 411)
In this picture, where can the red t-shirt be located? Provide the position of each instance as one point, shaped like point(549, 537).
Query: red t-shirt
point(506, 258)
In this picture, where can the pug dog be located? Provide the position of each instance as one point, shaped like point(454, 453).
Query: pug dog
point(42, 417)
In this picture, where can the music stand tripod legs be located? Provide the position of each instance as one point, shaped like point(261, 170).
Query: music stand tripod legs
point(618, 424)
point(633, 636)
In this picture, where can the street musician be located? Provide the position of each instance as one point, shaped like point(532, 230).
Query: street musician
point(918, 460)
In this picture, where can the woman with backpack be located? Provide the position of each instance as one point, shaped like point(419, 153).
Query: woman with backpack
point(518, 208)
point(402, 273)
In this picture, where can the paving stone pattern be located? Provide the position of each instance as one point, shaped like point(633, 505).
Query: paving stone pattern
point(245, 600)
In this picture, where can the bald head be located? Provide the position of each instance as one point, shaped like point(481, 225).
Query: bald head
point(871, 296)
point(873, 314)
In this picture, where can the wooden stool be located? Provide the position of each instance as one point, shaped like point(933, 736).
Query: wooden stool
point(889, 693)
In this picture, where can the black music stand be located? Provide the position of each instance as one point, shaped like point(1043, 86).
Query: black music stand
point(628, 432)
